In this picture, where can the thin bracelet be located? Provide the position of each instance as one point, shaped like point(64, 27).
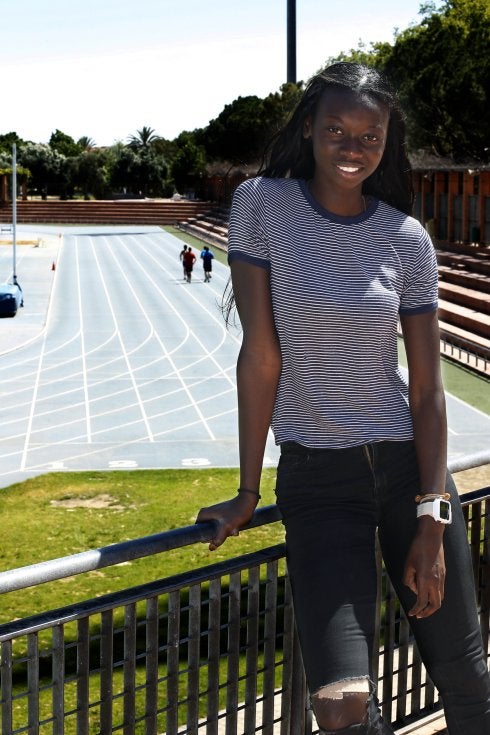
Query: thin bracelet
point(252, 492)
point(432, 496)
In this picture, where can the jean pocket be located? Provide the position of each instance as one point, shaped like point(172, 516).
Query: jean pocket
point(291, 461)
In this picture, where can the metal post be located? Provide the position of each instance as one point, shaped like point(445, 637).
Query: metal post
point(14, 210)
point(291, 41)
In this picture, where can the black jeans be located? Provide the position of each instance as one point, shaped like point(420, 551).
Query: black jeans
point(332, 501)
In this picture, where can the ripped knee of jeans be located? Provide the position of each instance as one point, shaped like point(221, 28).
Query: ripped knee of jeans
point(342, 704)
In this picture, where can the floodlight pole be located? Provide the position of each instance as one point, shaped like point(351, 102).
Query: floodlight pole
point(291, 41)
point(14, 210)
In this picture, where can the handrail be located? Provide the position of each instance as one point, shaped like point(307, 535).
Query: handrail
point(106, 556)
point(87, 561)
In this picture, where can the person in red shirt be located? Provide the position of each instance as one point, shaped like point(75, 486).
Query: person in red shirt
point(189, 259)
point(181, 256)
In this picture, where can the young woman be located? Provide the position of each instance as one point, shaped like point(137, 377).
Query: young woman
point(325, 259)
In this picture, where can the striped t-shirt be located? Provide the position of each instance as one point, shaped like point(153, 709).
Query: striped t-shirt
point(338, 285)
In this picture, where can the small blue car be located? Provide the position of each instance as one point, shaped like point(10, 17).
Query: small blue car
point(10, 299)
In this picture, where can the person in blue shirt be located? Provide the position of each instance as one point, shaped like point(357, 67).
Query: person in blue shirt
point(207, 263)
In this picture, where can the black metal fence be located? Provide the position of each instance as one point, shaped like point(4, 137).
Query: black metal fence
point(212, 650)
point(471, 354)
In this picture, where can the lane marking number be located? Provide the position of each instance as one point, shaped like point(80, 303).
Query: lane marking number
point(195, 462)
point(123, 464)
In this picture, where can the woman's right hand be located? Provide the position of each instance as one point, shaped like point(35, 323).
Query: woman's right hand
point(230, 516)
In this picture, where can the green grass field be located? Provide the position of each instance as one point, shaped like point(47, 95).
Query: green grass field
point(66, 513)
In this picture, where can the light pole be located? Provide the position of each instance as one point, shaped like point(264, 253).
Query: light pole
point(14, 212)
point(291, 41)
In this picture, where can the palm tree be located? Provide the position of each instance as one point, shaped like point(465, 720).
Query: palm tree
point(86, 143)
point(143, 138)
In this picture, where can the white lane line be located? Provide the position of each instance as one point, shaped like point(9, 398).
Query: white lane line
point(125, 354)
point(220, 271)
point(95, 415)
point(203, 308)
point(111, 379)
point(82, 346)
point(35, 389)
point(157, 336)
point(62, 347)
point(191, 383)
point(116, 446)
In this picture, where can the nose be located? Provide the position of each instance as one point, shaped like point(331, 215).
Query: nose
point(351, 146)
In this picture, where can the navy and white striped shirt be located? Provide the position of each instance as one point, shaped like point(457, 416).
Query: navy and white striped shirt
point(338, 285)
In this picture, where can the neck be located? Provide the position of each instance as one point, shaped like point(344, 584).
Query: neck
point(346, 204)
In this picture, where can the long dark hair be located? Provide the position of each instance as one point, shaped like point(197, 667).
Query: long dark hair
point(289, 154)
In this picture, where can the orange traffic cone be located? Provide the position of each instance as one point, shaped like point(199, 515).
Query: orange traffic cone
point(53, 267)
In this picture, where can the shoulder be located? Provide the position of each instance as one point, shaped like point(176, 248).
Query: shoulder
point(397, 223)
point(260, 188)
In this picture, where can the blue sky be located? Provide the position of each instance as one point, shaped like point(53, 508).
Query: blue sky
point(106, 68)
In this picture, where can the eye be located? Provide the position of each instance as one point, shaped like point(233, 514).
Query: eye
point(334, 130)
point(372, 138)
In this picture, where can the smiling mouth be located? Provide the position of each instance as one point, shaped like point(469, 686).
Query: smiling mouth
point(348, 169)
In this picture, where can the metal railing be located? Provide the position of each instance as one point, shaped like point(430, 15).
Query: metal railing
point(212, 650)
point(471, 354)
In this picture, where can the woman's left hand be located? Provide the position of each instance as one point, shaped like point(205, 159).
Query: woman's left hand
point(425, 568)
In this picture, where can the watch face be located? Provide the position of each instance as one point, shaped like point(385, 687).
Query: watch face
point(439, 509)
point(444, 510)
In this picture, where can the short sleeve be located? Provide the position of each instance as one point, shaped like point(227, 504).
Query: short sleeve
point(420, 290)
point(246, 235)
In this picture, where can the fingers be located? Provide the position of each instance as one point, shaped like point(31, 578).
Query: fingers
point(425, 575)
point(426, 606)
point(429, 596)
point(223, 527)
point(223, 532)
point(229, 517)
point(410, 581)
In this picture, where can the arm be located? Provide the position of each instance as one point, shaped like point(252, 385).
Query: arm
point(258, 370)
point(425, 566)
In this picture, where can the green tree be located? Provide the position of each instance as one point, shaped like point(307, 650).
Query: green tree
point(46, 166)
point(166, 148)
point(64, 144)
point(149, 173)
point(137, 171)
point(241, 131)
point(85, 143)
point(7, 140)
point(188, 164)
point(121, 162)
point(441, 68)
point(237, 134)
point(92, 173)
point(144, 138)
point(278, 106)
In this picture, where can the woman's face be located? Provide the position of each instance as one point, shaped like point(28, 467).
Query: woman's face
point(348, 133)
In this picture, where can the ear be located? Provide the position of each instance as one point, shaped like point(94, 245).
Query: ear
point(307, 128)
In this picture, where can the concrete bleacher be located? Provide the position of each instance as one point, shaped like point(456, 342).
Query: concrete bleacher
point(464, 295)
point(114, 212)
point(210, 226)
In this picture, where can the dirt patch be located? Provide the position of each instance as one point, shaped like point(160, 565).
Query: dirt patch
point(104, 501)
